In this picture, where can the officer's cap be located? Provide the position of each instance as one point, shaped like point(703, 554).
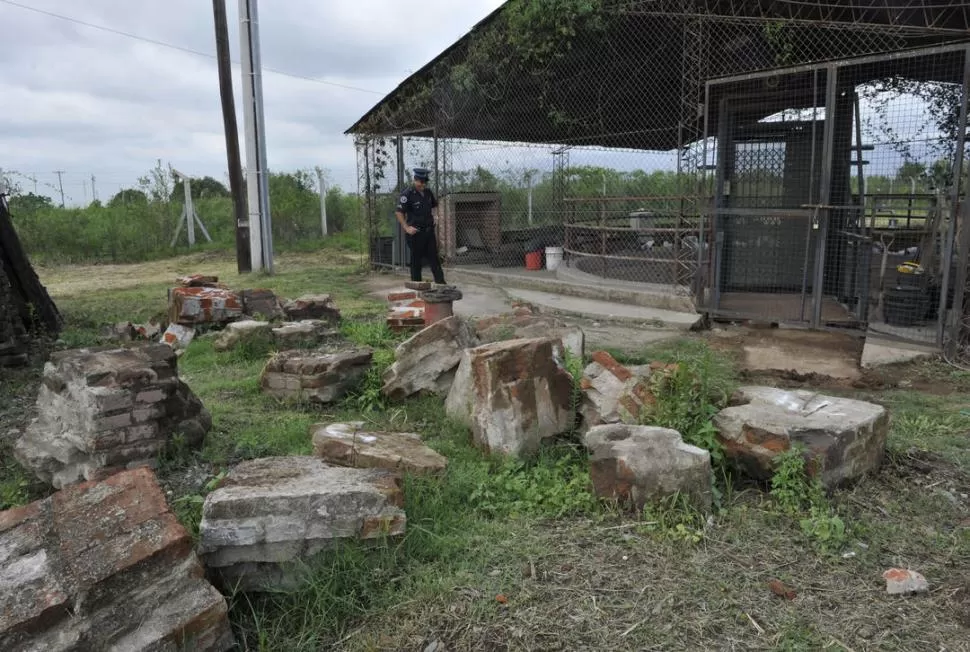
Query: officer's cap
point(421, 174)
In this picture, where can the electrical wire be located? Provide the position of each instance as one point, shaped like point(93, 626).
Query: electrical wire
point(180, 48)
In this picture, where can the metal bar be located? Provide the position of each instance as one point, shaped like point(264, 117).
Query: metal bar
point(956, 315)
point(615, 257)
point(825, 191)
point(839, 63)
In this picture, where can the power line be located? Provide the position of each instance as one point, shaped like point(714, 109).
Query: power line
point(180, 48)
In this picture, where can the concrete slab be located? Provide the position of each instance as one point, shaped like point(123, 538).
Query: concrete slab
point(640, 294)
point(607, 310)
point(879, 352)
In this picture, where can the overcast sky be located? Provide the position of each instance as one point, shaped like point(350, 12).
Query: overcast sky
point(90, 102)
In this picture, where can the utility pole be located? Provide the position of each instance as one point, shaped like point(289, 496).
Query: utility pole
point(60, 185)
point(260, 221)
point(243, 254)
point(94, 190)
point(84, 182)
point(323, 202)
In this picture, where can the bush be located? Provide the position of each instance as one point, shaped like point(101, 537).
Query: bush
point(139, 224)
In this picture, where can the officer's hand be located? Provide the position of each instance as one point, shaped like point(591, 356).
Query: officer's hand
point(410, 230)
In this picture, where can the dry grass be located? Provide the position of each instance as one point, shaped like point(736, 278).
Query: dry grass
point(600, 582)
point(611, 586)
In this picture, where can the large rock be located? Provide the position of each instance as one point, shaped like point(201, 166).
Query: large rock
point(104, 410)
point(105, 566)
point(513, 395)
point(314, 376)
point(844, 439)
point(304, 334)
point(248, 330)
point(261, 303)
point(614, 393)
point(271, 513)
point(190, 306)
point(636, 465)
point(352, 444)
point(312, 306)
point(428, 360)
point(525, 322)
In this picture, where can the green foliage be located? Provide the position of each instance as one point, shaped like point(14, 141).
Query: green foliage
point(674, 519)
point(188, 508)
point(798, 495)
point(138, 224)
point(254, 346)
point(14, 485)
point(548, 488)
point(690, 394)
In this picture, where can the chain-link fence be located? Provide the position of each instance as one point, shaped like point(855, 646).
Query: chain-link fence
point(745, 154)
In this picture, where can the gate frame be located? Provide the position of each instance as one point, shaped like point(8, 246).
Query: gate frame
point(948, 322)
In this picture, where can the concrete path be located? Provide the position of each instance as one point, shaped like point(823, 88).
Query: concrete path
point(607, 311)
point(629, 330)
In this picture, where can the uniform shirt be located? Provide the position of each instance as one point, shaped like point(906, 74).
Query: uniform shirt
point(416, 206)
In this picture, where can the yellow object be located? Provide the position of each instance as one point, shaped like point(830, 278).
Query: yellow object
point(909, 267)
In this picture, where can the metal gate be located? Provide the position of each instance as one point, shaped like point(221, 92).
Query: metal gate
point(797, 224)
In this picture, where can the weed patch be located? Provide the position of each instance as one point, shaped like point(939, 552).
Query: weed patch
point(798, 495)
point(556, 486)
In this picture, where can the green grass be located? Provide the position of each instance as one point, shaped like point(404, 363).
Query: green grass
point(572, 573)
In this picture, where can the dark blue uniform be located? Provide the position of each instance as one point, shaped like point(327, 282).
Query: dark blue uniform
point(416, 207)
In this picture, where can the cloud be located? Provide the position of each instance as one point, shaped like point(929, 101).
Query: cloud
point(88, 101)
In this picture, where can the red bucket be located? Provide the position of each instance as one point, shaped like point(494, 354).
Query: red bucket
point(533, 261)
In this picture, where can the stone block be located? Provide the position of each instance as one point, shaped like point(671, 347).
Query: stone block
point(525, 323)
point(637, 465)
point(94, 403)
point(304, 334)
point(105, 566)
point(314, 376)
point(426, 362)
point(843, 438)
point(513, 395)
point(312, 306)
point(262, 303)
point(269, 514)
point(352, 444)
point(191, 306)
point(614, 393)
point(242, 331)
point(178, 336)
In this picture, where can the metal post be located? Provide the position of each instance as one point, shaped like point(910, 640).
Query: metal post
point(189, 210)
point(828, 147)
point(963, 214)
point(323, 202)
point(260, 232)
point(529, 181)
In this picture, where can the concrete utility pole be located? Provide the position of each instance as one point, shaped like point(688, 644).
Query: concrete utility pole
point(94, 189)
point(260, 221)
point(60, 184)
point(323, 202)
point(236, 188)
point(189, 217)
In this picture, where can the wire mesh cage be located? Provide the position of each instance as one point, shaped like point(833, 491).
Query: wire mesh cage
point(787, 161)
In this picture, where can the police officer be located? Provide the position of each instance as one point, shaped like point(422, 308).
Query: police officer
point(416, 214)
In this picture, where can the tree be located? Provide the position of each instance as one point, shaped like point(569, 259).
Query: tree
point(29, 204)
point(203, 188)
point(128, 197)
point(910, 170)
